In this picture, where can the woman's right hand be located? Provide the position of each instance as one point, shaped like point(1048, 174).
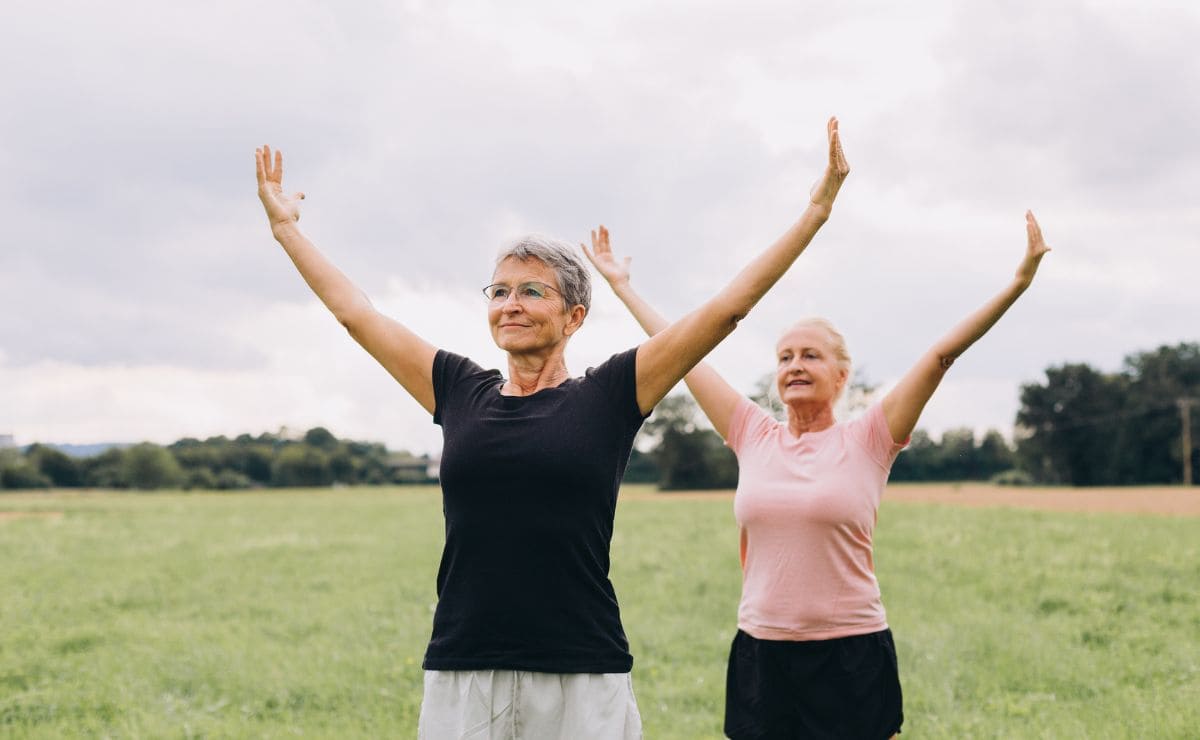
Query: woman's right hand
point(282, 209)
point(602, 258)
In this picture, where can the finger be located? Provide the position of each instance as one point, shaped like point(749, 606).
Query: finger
point(267, 160)
point(1035, 231)
point(595, 240)
point(258, 168)
point(590, 255)
point(299, 196)
point(278, 166)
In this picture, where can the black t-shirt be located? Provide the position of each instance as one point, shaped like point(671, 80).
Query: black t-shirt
point(529, 490)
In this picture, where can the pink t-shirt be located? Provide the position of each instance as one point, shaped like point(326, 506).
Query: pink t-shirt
point(806, 509)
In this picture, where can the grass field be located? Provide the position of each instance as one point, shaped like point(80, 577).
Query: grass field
point(289, 614)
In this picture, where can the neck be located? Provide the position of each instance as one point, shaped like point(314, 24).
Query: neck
point(803, 418)
point(528, 374)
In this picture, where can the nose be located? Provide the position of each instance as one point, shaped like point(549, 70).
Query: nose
point(511, 303)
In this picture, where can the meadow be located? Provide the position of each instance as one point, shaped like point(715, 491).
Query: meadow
point(305, 613)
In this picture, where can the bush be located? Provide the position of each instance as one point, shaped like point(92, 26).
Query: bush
point(1012, 477)
point(231, 480)
point(22, 475)
point(201, 478)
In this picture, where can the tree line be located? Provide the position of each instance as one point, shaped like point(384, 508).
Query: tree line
point(1081, 427)
point(218, 463)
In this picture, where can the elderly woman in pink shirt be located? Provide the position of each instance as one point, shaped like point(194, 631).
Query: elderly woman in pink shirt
point(813, 655)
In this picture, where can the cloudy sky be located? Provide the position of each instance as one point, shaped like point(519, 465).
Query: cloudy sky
point(142, 297)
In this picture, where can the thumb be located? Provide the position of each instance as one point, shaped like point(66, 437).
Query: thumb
point(299, 196)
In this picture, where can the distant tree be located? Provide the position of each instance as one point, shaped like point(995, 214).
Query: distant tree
point(641, 468)
point(994, 455)
point(918, 461)
point(956, 455)
point(1149, 434)
point(251, 458)
point(148, 467)
point(1065, 427)
point(60, 469)
point(321, 438)
point(687, 455)
point(301, 465)
point(22, 475)
point(106, 470)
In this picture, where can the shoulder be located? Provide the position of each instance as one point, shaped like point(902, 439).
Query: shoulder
point(447, 365)
point(616, 380)
point(622, 363)
point(455, 375)
point(870, 432)
point(750, 423)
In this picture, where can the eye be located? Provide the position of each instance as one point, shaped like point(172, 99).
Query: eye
point(810, 355)
point(536, 291)
point(497, 292)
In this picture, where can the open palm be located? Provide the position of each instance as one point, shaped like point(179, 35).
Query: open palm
point(602, 258)
point(826, 189)
point(281, 208)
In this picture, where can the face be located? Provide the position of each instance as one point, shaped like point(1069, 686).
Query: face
point(807, 370)
point(522, 324)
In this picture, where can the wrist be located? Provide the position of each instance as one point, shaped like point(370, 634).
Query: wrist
point(283, 229)
point(818, 211)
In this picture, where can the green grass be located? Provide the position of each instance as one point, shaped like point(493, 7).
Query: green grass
point(306, 613)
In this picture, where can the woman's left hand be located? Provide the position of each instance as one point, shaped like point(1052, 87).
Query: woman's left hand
point(826, 189)
point(1034, 252)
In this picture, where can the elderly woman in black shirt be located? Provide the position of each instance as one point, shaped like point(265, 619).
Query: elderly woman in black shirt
point(527, 637)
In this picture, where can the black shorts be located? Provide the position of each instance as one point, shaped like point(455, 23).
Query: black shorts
point(847, 687)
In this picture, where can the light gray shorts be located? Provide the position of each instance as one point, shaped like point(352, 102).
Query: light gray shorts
point(524, 705)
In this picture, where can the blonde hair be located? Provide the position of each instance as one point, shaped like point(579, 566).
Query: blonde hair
point(836, 341)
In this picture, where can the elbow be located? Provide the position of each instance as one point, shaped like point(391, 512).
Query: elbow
point(352, 321)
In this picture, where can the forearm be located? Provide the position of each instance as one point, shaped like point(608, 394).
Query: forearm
point(330, 284)
point(903, 404)
point(969, 330)
point(651, 321)
point(755, 279)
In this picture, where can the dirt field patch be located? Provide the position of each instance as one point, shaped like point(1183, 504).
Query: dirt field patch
point(7, 516)
point(1164, 500)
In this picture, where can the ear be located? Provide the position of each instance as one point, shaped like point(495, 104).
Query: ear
point(575, 319)
point(843, 378)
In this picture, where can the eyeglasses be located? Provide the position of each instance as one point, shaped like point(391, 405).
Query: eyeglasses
point(532, 291)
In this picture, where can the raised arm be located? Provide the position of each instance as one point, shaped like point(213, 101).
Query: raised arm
point(903, 404)
point(667, 356)
point(716, 397)
point(402, 353)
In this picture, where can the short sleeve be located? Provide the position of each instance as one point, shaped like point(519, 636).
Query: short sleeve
point(871, 431)
point(617, 376)
point(749, 422)
point(448, 370)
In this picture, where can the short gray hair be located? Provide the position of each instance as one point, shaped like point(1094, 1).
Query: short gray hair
point(574, 280)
